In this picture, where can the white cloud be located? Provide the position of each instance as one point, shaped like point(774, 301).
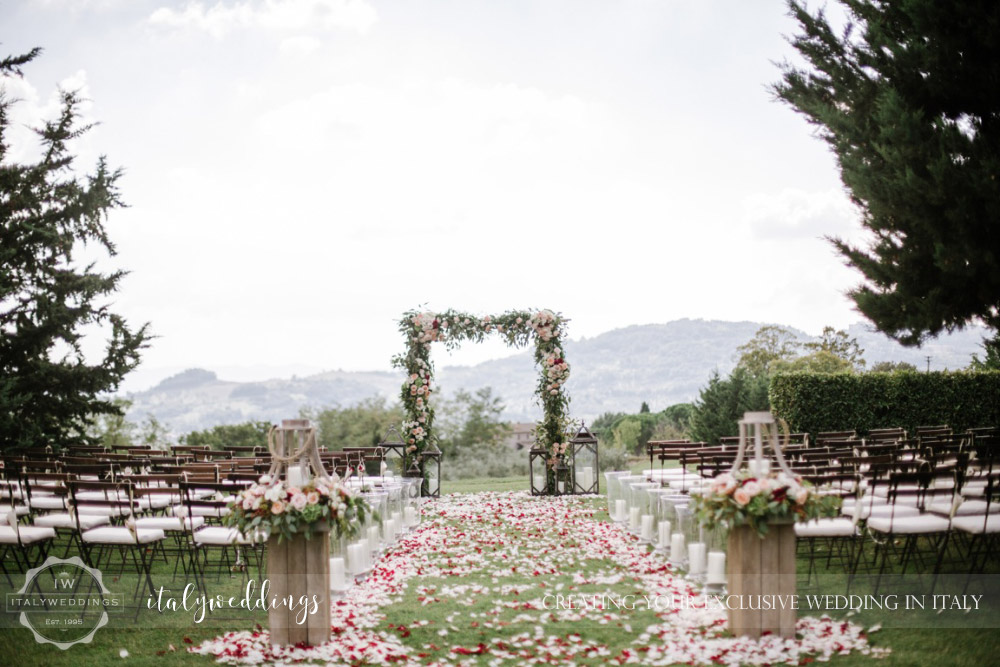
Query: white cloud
point(795, 214)
point(300, 45)
point(278, 15)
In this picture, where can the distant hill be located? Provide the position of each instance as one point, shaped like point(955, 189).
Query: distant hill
point(661, 364)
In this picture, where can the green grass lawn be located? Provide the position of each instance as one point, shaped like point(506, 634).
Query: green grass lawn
point(149, 641)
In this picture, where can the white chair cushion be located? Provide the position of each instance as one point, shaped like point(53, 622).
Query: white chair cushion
point(47, 502)
point(67, 520)
point(924, 523)
point(121, 535)
point(19, 510)
point(882, 490)
point(161, 500)
point(219, 535)
point(170, 523)
point(967, 508)
point(181, 510)
point(29, 534)
point(101, 510)
point(974, 487)
point(978, 525)
point(156, 502)
point(888, 511)
point(102, 495)
point(825, 528)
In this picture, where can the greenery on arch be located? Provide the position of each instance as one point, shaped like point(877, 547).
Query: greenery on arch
point(518, 328)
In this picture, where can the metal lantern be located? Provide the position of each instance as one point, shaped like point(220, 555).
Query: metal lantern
point(432, 469)
point(395, 451)
point(413, 471)
point(762, 429)
point(583, 454)
point(538, 471)
point(294, 455)
point(373, 462)
point(564, 482)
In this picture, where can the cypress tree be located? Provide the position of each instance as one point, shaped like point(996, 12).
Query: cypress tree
point(49, 300)
point(907, 95)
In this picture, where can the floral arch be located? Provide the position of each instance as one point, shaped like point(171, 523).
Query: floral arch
point(518, 328)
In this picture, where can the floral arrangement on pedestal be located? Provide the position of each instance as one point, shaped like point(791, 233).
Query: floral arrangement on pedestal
point(275, 507)
point(745, 498)
point(519, 328)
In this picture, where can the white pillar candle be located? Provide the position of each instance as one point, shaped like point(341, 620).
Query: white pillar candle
point(696, 557)
point(366, 555)
point(646, 531)
point(677, 548)
point(296, 477)
point(633, 519)
point(337, 572)
point(716, 568)
point(354, 558)
point(619, 510)
point(410, 516)
point(538, 482)
point(588, 478)
point(664, 534)
point(373, 541)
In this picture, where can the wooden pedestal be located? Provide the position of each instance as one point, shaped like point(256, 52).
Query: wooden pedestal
point(761, 574)
point(300, 569)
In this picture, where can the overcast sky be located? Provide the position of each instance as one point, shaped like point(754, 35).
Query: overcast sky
point(301, 172)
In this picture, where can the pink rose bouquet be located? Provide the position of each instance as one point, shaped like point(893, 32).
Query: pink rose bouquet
point(744, 499)
point(273, 506)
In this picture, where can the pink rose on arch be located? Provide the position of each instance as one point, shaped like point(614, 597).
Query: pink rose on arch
point(312, 497)
point(752, 488)
point(741, 496)
point(802, 496)
point(277, 507)
point(300, 501)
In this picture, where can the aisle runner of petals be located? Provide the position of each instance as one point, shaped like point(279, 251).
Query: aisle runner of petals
point(557, 547)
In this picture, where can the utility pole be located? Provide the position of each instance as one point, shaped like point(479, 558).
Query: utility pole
point(928, 363)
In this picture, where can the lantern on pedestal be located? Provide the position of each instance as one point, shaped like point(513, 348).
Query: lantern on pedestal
point(564, 483)
point(374, 462)
point(583, 454)
point(298, 568)
point(761, 565)
point(413, 470)
point(432, 469)
point(538, 471)
point(395, 452)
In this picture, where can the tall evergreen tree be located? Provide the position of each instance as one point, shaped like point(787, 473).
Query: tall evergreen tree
point(907, 95)
point(49, 392)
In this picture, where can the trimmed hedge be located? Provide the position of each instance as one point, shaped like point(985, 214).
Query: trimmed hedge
point(815, 402)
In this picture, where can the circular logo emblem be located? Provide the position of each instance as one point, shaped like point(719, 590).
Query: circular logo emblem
point(64, 602)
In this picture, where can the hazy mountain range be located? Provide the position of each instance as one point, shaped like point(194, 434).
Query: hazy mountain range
point(661, 364)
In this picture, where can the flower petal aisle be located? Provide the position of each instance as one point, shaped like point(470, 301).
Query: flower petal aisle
point(503, 578)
